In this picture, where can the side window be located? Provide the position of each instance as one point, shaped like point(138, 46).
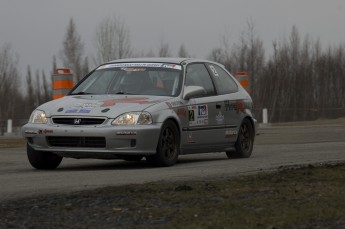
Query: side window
point(223, 81)
point(197, 75)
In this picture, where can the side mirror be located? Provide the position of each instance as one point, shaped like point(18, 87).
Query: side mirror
point(193, 91)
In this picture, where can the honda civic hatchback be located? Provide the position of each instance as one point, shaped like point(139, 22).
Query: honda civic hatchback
point(152, 108)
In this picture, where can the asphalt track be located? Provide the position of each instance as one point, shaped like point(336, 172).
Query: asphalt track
point(275, 146)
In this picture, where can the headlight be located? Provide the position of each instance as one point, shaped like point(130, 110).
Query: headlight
point(133, 118)
point(38, 117)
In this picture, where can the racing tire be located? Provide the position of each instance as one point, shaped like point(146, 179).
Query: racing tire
point(245, 141)
point(42, 159)
point(168, 146)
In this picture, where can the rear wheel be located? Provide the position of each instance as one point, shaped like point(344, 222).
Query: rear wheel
point(42, 159)
point(245, 141)
point(168, 146)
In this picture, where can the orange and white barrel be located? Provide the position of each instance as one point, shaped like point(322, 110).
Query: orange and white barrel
point(243, 78)
point(62, 82)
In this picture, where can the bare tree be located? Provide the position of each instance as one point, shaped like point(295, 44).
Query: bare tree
point(164, 50)
point(8, 82)
point(255, 58)
point(222, 54)
point(54, 65)
point(183, 51)
point(38, 91)
point(72, 53)
point(30, 91)
point(85, 66)
point(150, 53)
point(46, 88)
point(112, 40)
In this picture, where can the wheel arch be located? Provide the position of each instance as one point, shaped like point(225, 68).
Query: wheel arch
point(253, 122)
point(175, 121)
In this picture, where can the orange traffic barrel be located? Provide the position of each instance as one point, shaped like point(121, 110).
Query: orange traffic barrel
point(243, 78)
point(62, 82)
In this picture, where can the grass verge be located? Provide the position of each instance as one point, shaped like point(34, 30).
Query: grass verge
point(310, 197)
point(12, 142)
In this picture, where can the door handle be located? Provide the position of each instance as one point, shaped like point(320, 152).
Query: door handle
point(218, 106)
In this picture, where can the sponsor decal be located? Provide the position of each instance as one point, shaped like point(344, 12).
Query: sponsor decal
point(215, 73)
point(31, 132)
point(134, 69)
point(139, 100)
point(202, 110)
point(220, 118)
point(168, 104)
point(83, 110)
point(85, 105)
point(72, 110)
point(45, 131)
point(89, 105)
point(172, 66)
point(198, 115)
point(190, 138)
point(227, 105)
point(78, 110)
point(181, 112)
point(174, 104)
point(238, 106)
point(126, 133)
point(229, 133)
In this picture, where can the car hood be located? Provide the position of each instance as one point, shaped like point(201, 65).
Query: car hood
point(99, 105)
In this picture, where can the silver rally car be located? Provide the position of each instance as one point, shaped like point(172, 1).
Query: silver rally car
point(157, 108)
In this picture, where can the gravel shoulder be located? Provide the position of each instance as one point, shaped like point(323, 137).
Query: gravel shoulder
point(308, 197)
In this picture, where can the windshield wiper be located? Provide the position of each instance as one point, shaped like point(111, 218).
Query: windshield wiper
point(82, 93)
point(123, 93)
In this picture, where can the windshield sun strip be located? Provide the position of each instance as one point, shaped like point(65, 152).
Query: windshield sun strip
point(148, 65)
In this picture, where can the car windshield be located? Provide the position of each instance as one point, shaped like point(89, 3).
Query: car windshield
point(133, 78)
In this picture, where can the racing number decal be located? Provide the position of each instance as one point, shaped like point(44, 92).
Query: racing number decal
point(191, 115)
point(198, 115)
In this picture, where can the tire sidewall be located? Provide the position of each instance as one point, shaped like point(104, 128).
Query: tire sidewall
point(240, 152)
point(159, 157)
point(42, 159)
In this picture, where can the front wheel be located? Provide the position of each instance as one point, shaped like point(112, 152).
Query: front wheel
point(42, 159)
point(245, 141)
point(168, 146)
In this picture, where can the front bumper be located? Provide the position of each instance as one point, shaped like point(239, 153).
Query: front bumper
point(93, 141)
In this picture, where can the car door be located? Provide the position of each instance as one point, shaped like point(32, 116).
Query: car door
point(205, 131)
point(232, 100)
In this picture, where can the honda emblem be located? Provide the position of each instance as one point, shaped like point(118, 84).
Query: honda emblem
point(77, 121)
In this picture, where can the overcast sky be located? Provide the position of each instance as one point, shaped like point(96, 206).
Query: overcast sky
point(36, 28)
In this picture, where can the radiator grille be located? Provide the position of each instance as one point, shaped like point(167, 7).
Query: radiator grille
point(87, 142)
point(79, 121)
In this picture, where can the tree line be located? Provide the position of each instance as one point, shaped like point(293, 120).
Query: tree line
point(299, 80)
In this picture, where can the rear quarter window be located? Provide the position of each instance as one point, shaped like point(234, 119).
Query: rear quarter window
point(225, 84)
